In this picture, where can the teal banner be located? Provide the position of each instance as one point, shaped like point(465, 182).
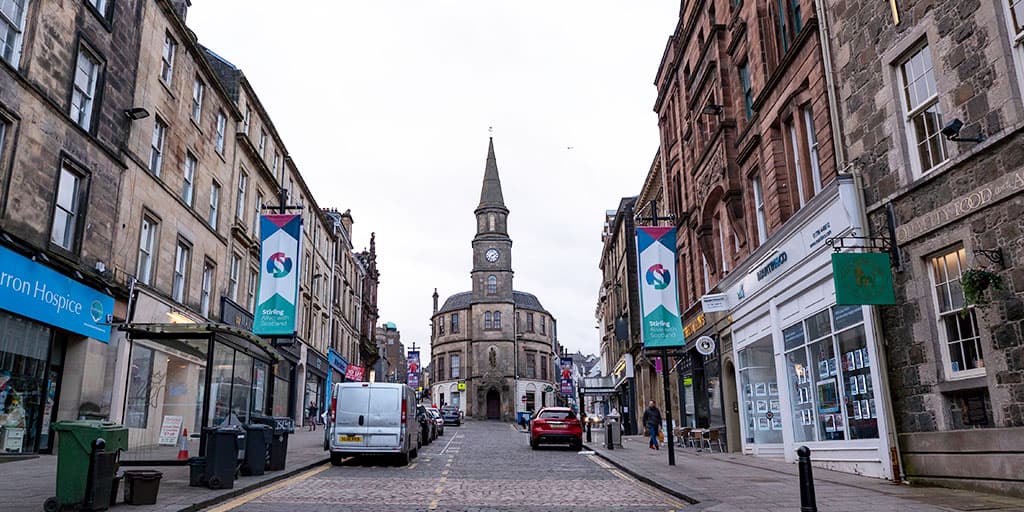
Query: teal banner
point(279, 275)
point(659, 297)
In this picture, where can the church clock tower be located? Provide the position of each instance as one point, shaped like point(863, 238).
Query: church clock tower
point(492, 248)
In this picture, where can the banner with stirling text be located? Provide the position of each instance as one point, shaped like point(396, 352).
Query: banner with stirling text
point(659, 297)
point(279, 274)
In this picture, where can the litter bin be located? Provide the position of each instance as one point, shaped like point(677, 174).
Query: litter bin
point(278, 453)
point(223, 447)
point(257, 445)
point(141, 486)
point(197, 471)
point(86, 467)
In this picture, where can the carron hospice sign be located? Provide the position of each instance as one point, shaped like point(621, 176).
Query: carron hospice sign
point(40, 293)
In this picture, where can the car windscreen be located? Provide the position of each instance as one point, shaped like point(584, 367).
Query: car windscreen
point(557, 415)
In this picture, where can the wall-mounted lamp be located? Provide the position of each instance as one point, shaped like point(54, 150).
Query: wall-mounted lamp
point(136, 113)
point(712, 110)
point(952, 132)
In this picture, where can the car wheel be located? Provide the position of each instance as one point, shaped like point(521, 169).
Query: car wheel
point(336, 459)
point(533, 444)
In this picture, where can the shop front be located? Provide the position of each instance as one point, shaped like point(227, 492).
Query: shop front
point(316, 377)
point(807, 367)
point(338, 366)
point(42, 314)
point(624, 398)
point(285, 378)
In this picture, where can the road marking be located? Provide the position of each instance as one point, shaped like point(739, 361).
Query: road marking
point(433, 505)
point(410, 466)
point(439, 490)
point(242, 500)
point(647, 489)
point(444, 479)
point(456, 436)
point(445, 472)
point(448, 465)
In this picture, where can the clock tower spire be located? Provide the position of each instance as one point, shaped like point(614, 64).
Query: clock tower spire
point(492, 247)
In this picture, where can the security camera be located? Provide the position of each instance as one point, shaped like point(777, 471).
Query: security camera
point(952, 132)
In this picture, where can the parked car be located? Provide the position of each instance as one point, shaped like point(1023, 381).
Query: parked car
point(372, 418)
point(556, 425)
point(437, 420)
point(451, 415)
point(427, 424)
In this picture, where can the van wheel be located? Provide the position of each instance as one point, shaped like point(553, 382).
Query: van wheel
point(404, 458)
point(336, 459)
point(415, 452)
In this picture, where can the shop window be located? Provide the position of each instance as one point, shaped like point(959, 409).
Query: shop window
point(760, 392)
point(829, 370)
point(923, 115)
point(282, 388)
point(24, 380)
point(456, 370)
point(67, 209)
point(957, 324)
point(531, 400)
point(140, 377)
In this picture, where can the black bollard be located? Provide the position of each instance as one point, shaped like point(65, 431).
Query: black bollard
point(808, 503)
point(589, 438)
point(608, 441)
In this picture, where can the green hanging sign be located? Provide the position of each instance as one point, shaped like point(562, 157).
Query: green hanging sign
point(863, 278)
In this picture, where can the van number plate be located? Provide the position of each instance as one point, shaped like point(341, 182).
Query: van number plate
point(350, 439)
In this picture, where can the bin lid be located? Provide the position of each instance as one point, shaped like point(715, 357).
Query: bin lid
point(87, 431)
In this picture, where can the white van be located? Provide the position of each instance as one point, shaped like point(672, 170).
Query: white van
point(373, 418)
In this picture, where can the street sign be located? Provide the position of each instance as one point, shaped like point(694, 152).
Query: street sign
point(714, 302)
point(462, 386)
point(863, 278)
point(705, 345)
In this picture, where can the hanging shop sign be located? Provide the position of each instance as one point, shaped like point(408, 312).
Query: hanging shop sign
point(705, 345)
point(354, 373)
point(462, 386)
point(337, 361)
point(279, 274)
point(565, 380)
point(863, 278)
point(659, 298)
point(713, 302)
point(40, 293)
point(413, 370)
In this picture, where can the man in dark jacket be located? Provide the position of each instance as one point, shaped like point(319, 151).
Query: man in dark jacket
point(652, 420)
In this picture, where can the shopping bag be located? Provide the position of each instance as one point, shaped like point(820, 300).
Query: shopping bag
point(661, 436)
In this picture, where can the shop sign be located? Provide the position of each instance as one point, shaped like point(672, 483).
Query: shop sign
point(565, 363)
point(279, 274)
point(316, 361)
point(336, 360)
point(961, 206)
point(772, 265)
point(413, 370)
point(40, 293)
point(354, 373)
point(659, 295)
point(693, 325)
point(170, 429)
point(863, 278)
point(462, 386)
point(705, 345)
point(233, 314)
point(713, 302)
point(624, 368)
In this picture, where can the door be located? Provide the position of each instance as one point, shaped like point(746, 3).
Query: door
point(352, 411)
point(493, 405)
point(384, 422)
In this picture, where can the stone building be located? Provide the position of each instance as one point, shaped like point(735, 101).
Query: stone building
point(956, 370)
point(751, 177)
point(67, 79)
point(493, 349)
point(393, 365)
point(369, 280)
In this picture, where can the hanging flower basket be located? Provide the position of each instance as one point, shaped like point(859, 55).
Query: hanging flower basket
point(975, 282)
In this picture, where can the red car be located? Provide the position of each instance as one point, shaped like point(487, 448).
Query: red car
point(556, 425)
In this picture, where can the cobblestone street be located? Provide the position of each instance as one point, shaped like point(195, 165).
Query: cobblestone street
point(478, 466)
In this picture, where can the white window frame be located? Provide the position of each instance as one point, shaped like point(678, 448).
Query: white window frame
point(243, 186)
point(234, 276)
point(83, 87)
point(759, 209)
point(941, 316)
point(256, 214)
point(720, 224)
point(147, 250)
point(250, 301)
point(11, 51)
point(101, 6)
point(65, 208)
point(247, 120)
point(222, 125)
point(707, 272)
point(913, 111)
point(263, 144)
point(167, 59)
point(182, 261)
point(206, 289)
point(188, 182)
point(214, 205)
point(277, 161)
point(198, 91)
point(793, 141)
point(454, 362)
point(156, 154)
point(812, 148)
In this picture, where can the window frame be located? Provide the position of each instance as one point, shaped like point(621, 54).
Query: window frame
point(167, 54)
point(18, 27)
point(529, 322)
point(145, 269)
point(207, 287)
point(496, 320)
point(262, 147)
point(243, 187)
point(180, 278)
point(455, 323)
point(80, 198)
point(213, 215)
point(90, 98)
point(940, 317)
point(760, 211)
point(487, 320)
point(156, 147)
point(454, 364)
point(234, 275)
point(492, 285)
point(747, 89)
point(188, 178)
point(1016, 39)
point(910, 113)
point(198, 92)
point(252, 289)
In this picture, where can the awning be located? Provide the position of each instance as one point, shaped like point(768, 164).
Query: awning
point(198, 330)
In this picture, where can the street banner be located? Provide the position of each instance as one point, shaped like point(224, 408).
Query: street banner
point(565, 365)
point(863, 278)
point(659, 297)
point(354, 373)
point(279, 275)
point(413, 360)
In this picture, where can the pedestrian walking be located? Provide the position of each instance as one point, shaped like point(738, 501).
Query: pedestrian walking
point(311, 412)
point(652, 420)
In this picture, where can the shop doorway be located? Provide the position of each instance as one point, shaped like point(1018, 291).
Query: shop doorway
point(731, 406)
point(493, 405)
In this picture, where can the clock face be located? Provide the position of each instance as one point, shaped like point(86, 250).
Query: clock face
point(492, 255)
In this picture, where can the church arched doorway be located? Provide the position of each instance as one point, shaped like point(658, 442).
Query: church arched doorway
point(493, 405)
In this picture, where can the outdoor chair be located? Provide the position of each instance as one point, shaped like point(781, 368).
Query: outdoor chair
point(682, 435)
point(695, 439)
point(713, 436)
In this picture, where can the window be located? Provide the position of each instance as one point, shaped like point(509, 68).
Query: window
point(531, 365)
point(147, 241)
point(748, 91)
point(234, 276)
point(812, 148)
point(188, 183)
point(543, 324)
point(136, 414)
point(1015, 19)
point(247, 120)
point(263, 144)
point(497, 320)
point(958, 327)
point(492, 285)
point(182, 260)
point(788, 22)
point(440, 326)
point(214, 204)
point(529, 322)
point(66, 211)
point(543, 367)
point(797, 173)
point(923, 114)
point(456, 371)
point(250, 295)
point(256, 215)
point(440, 368)
point(277, 160)
point(167, 59)
point(756, 368)
point(207, 289)
point(759, 210)
point(455, 323)
point(156, 154)
point(83, 92)
point(720, 227)
point(222, 124)
point(12, 24)
point(707, 272)
point(198, 88)
point(243, 185)
point(487, 319)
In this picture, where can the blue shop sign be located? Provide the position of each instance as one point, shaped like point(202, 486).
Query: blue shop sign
point(40, 293)
point(337, 361)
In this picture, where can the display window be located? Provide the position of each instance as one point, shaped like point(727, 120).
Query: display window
point(282, 387)
point(26, 391)
point(760, 392)
point(828, 370)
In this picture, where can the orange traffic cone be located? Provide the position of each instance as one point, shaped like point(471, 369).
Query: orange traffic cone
point(183, 445)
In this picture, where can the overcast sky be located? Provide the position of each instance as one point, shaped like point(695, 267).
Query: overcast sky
point(385, 107)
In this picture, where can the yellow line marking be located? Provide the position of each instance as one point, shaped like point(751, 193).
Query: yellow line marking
point(445, 472)
point(448, 465)
point(242, 500)
point(623, 476)
point(444, 479)
point(433, 505)
point(439, 490)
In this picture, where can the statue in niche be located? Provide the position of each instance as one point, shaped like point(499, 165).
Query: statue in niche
point(492, 357)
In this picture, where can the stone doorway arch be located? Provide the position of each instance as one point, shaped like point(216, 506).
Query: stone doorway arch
point(493, 404)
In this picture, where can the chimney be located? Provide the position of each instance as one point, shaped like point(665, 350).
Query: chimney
point(181, 8)
point(346, 222)
point(435, 301)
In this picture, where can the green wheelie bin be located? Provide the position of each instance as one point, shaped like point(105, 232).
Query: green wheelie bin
point(75, 445)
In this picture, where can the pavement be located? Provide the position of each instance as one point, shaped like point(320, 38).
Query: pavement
point(26, 484)
point(729, 482)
